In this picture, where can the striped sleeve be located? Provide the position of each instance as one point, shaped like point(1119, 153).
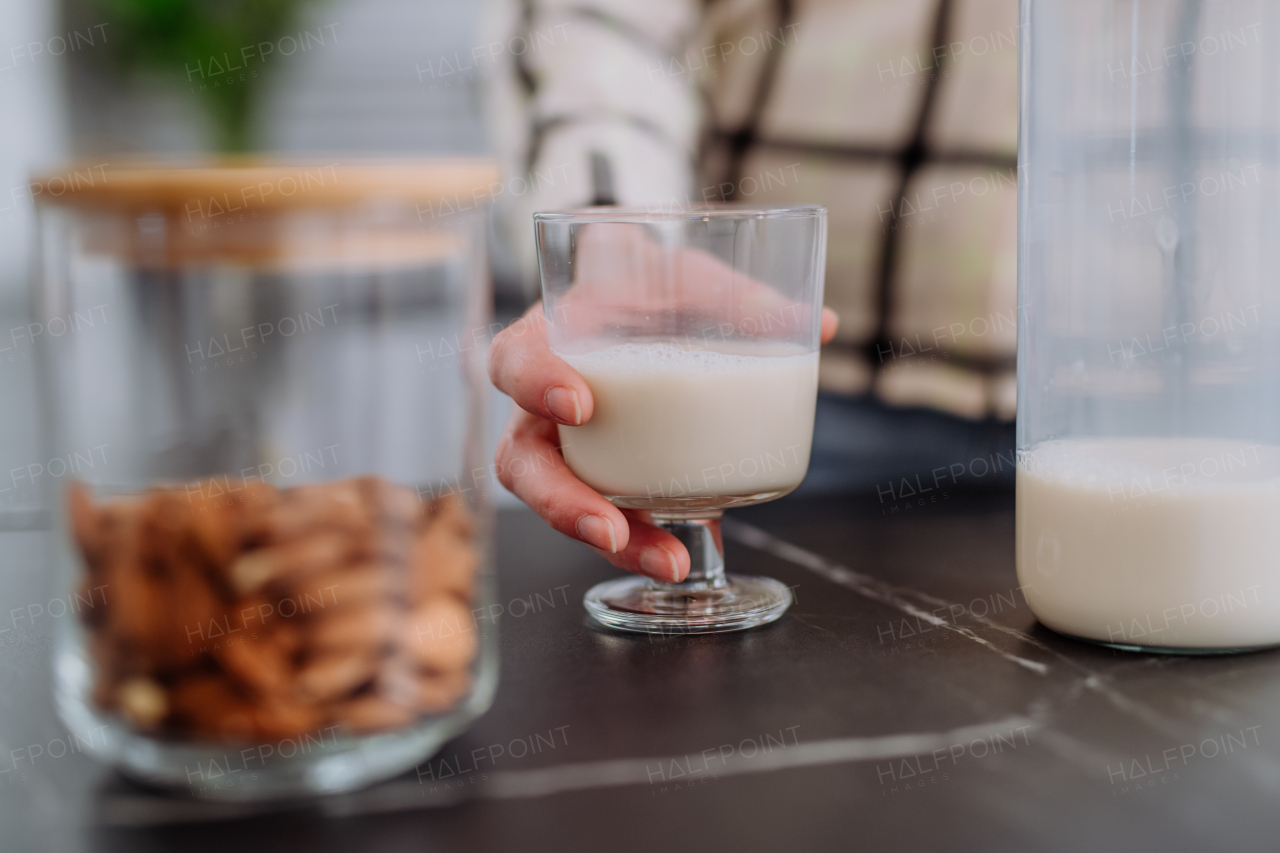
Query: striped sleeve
point(584, 108)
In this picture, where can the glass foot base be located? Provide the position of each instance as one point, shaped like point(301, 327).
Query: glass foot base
point(648, 607)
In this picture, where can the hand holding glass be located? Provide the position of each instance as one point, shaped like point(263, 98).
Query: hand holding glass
point(697, 334)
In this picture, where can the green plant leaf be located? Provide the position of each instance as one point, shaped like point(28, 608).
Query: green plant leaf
point(206, 46)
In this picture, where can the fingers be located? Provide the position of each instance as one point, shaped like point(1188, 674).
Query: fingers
point(523, 367)
point(830, 322)
point(530, 465)
point(651, 551)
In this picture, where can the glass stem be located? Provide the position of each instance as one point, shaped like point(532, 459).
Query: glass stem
point(701, 536)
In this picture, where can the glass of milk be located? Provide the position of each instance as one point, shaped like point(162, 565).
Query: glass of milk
point(698, 333)
point(1148, 483)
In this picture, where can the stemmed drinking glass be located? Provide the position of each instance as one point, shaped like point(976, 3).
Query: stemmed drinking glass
point(698, 333)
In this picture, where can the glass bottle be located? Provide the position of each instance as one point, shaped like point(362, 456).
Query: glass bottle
point(1148, 353)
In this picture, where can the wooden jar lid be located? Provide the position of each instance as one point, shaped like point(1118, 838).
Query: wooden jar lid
point(243, 184)
point(255, 214)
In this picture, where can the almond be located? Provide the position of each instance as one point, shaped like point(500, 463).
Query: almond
point(370, 627)
point(443, 561)
point(311, 555)
point(440, 691)
point(332, 676)
point(371, 712)
point(440, 634)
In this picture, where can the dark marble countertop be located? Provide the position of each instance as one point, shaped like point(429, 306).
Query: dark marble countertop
point(908, 701)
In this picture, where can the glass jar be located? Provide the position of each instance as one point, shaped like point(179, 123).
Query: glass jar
point(1149, 335)
point(264, 384)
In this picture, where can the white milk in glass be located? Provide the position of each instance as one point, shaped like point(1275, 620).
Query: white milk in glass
point(1165, 542)
point(693, 427)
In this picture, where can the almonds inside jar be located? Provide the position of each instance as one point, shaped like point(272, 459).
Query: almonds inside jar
point(258, 612)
